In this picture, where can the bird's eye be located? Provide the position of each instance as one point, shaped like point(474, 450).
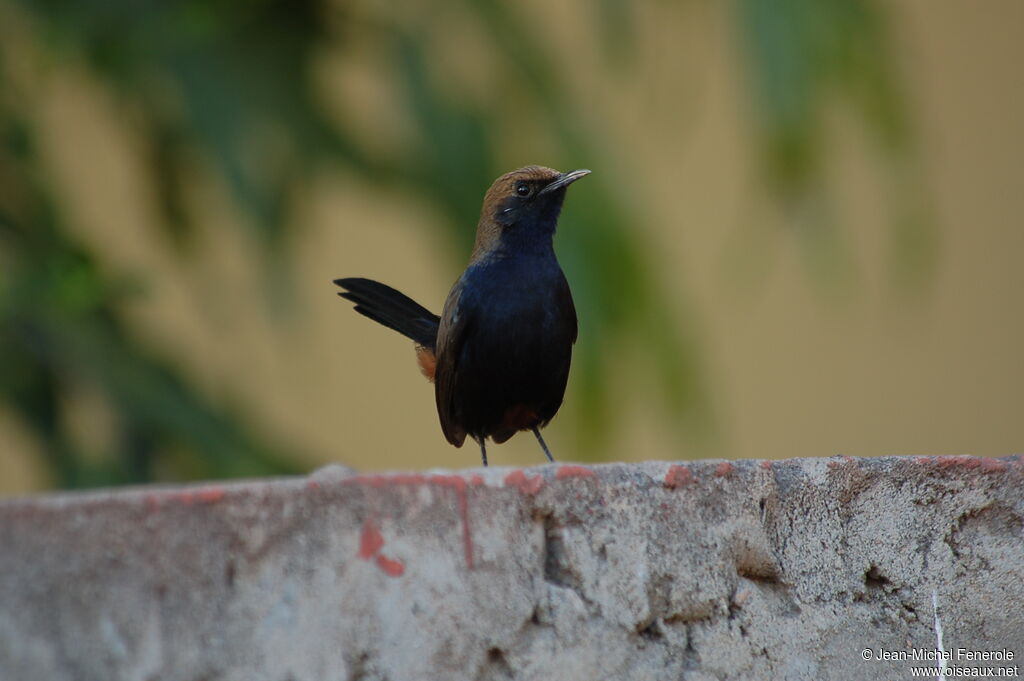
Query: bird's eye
point(522, 189)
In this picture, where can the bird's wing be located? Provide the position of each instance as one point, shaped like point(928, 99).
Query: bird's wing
point(456, 322)
point(565, 300)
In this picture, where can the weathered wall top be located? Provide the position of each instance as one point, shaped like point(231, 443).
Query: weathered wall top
point(708, 570)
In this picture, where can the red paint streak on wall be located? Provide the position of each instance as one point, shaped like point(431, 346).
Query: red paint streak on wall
point(455, 482)
point(986, 464)
point(370, 544)
point(847, 461)
point(574, 472)
point(153, 500)
point(371, 540)
point(992, 465)
point(766, 464)
point(467, 535)
point(958, 462)
point(524, 483)
point(459, 485)
point(209, 495)
point(677, 476)
point(724, 469)
point(206, 495)
point(392, 568)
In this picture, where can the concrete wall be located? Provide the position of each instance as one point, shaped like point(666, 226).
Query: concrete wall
point(707, 570)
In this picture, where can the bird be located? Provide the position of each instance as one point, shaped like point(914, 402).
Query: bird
point(499, 352)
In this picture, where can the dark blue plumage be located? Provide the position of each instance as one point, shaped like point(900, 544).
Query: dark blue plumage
point(503, 345)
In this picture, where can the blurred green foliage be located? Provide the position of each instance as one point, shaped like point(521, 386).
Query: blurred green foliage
point(60, 329)
point(232, 82)
point(802, 57)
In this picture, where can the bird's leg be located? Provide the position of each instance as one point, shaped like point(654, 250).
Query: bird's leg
point(483, 451)
point(543, 445)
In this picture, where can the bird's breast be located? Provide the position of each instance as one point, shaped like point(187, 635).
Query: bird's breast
point(520, 296)
point(512, 325)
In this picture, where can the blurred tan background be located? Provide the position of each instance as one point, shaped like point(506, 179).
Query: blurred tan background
point(803, 351)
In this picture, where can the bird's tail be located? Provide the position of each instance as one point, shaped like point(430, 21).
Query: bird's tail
point(391, 308)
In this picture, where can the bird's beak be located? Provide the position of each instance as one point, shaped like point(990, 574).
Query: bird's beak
point(564, 180)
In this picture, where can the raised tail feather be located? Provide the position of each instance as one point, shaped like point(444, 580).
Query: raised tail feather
point(391, 308)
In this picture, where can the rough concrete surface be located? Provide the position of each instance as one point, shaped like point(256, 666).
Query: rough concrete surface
point(706, 570)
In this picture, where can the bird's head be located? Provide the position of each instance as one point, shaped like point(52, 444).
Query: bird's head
point(523, 205)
